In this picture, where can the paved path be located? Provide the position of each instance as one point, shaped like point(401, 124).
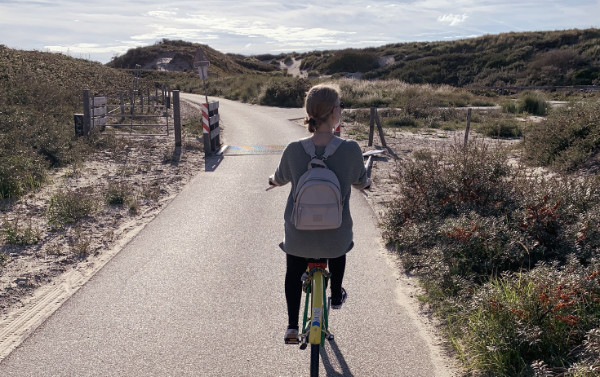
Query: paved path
point(199, 291)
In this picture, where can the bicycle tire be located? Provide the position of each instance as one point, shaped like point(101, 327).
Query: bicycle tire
point(314, 359)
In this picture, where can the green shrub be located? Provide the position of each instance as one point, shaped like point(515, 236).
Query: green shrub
point(17, 234)
point(471, 178)
point(152, 191)
point(80, 242)
point(246, 88)
point(535, 320)
point(285, 93)
point(118, 193)
point(402, 121)
point(256, 65)
point(509, 107)
point(20, 172)
point(533, 103)
point(351, 61)
point(68, 207)
point(503, 129)
point(511, 261)
point(567, 139)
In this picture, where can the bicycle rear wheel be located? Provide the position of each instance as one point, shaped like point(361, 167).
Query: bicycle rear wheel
point(314, 360)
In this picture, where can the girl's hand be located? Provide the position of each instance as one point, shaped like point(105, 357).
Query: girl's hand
point(272, 184)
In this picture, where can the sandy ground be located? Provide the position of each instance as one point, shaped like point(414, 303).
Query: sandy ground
point(148, 169)
point(293, 68)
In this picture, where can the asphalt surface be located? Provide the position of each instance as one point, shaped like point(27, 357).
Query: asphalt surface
point(199, 291)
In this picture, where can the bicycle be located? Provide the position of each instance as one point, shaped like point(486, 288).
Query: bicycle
point(315, 327)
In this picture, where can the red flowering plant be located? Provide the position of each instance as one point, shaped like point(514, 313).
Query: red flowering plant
point(543, 315)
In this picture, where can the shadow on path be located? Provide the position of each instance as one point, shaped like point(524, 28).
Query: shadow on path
point(339, 360)
point(211, 163)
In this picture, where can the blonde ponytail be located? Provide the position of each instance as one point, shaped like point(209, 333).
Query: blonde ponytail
point(320, 102)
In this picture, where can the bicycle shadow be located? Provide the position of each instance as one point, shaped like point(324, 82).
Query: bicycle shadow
point(341, 362)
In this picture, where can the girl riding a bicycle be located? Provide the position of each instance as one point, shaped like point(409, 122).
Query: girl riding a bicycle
point(323, 108)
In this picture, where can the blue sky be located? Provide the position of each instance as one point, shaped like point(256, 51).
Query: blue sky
point(100, 29)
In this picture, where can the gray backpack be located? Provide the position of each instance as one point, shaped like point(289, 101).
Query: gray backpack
point(318, 201)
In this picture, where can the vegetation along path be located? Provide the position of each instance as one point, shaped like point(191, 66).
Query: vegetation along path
point(202, 281)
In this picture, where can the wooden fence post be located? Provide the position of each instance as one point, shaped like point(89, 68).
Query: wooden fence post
point(374, 120)
point(155, 98)
point(87, 116)
point(468, 126)
point(372, 126)
point(122, 105)
point(132, 103)
point(177, 118)
point(380, 129)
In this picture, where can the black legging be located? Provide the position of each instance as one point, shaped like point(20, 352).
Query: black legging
point(296, 266)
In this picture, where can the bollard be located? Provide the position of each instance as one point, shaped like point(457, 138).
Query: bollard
point(78, 118)
point(206, 129)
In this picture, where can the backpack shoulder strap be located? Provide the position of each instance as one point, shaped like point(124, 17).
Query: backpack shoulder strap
point(309, 147)
point(332, 146)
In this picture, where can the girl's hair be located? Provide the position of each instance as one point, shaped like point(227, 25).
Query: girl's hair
point(320, 102)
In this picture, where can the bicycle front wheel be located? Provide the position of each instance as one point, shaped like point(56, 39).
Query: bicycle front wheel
point(314, 360)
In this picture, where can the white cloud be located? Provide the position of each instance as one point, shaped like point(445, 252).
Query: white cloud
point(165, 14)
point(263, 26)
point(453, 19)
point(91, 50)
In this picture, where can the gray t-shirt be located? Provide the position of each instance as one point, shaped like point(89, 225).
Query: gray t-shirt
point(347, 163)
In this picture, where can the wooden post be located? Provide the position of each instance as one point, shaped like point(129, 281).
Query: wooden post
point(177, 118)
point(122, 105)
point(380, 129)
point(87, 116)
point(372, 126)
point(132, 103)
point(155, 98)
point(468, 126)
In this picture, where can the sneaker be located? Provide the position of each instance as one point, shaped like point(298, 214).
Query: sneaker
point(338, 304)
point(291, 336)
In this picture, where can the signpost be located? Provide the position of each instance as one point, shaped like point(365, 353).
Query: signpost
point(210, 116)
point(201, 62)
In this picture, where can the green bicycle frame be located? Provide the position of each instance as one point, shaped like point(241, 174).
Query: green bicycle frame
point(316, 325)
